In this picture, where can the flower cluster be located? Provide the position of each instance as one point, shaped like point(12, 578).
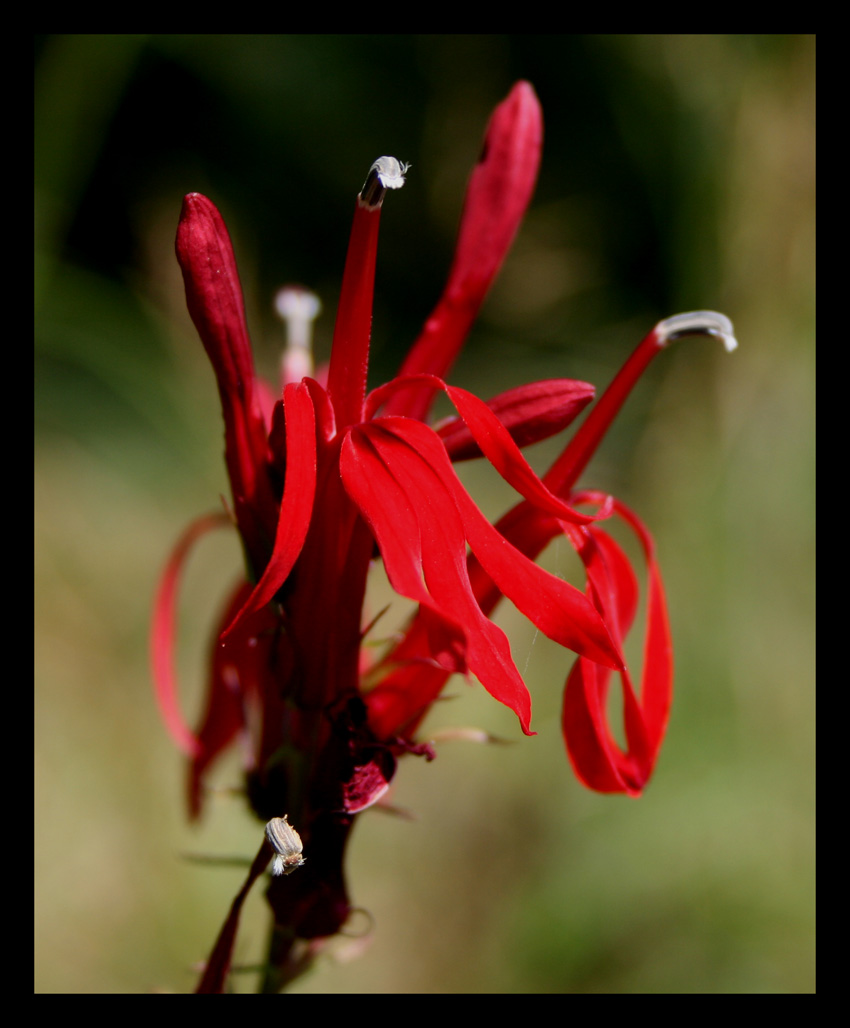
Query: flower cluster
point(327, 478)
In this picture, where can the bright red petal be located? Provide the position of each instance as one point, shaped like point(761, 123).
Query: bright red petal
point(557, 608)
point(214, 294)
point(415, 521)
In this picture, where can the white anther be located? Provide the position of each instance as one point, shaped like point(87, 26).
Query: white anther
point(386, 173)
point(286, 843)
point(390, 172)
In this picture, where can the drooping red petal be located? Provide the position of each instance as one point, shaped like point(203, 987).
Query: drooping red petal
point(297, 503)
point(593, 752)
point(557, 608)
point(163, 630)
point(496, 200)
point(611, 581)
point(417, 524)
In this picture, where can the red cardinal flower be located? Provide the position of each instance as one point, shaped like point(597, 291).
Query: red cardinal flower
point(326, 479)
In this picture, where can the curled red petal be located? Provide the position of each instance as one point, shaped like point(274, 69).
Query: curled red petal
point(597, 758)
point(656, 692)
point(593, 752)
point(163, 626)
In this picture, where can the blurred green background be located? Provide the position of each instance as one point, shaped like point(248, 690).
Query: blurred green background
point(678, 173)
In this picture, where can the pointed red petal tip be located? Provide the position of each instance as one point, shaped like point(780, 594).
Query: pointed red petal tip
point(500, 189)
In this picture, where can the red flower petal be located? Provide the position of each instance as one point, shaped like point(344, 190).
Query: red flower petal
point(417, 525)
point(387, 509)
point(499, 192)
point(557, 608)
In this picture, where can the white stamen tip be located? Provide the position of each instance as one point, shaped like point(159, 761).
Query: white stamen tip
point(386, 173)
point(391, 172)
point(697, 323)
